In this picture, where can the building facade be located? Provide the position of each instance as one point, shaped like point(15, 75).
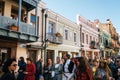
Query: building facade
point(17, 27)
point(104, 39)
point(62, 36)
point(89, 38)
point(108, 39)
point(114, 37)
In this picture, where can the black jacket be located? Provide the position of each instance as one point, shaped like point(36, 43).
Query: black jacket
point(7, 76)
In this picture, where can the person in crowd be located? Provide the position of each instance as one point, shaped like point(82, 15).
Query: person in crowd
point(22, 66)
point(8, 68)
point(39, 69)
point(30, 70)
point(103, 72)
point(74, 60)
point(95, 66)
point(48, 70)
point(118, 74)
point(68, 68)
point(83, 71)
point(58, 69)
point(90, 61)
point(112, 67)
point(117, 68)
point(1, 65)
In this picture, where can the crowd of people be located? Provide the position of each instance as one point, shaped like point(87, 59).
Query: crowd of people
point(67, 68)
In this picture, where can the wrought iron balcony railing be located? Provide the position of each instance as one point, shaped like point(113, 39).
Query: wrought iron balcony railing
point(54, 39)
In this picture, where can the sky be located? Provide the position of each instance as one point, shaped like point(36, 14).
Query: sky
point(89, 9)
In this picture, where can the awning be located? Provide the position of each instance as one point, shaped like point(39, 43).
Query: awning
point(34, 46)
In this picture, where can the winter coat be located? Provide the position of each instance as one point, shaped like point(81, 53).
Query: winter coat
point(84, 75)
point(31, 69)
point(22, 66)
point(58, 72)
point(39, 69)
point(48, 72)
point(101, 74)
point(8, 76)
point(113, 69)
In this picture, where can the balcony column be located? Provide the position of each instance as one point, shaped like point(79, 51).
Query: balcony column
point(36, 20)
point(19, 13)
point(55, 55)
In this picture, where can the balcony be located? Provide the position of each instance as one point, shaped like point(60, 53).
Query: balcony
point(109, 45)
point(94, 45)
point(54, 39)
point(29, 4)
point(25, 32)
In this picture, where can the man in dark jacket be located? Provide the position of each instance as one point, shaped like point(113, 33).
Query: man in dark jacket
point(39, 68)
point(118, 68)
point(112, 67)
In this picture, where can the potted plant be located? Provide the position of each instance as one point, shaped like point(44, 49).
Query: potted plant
point(58, 34)
point(13, 27)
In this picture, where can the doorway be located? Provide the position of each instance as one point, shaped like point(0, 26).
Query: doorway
point(5, 53)
point(32, 54)
point(50, 55)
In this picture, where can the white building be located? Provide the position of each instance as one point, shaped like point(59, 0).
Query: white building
point(89, 38)
point(68, 40)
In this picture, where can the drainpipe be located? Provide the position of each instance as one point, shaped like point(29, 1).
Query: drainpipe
point(19, 13)
point(42, 25)
point(45, 54)
point(36, 21)
point(80, 40)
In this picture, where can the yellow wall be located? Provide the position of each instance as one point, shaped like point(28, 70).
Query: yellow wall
point(21, 51)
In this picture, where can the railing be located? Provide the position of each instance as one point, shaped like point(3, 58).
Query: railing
point(26, 28)
point(94, 45)
point(32, 2)
point(54, 39)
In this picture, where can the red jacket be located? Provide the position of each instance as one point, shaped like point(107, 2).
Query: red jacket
point(84, 76)
point(31, 69)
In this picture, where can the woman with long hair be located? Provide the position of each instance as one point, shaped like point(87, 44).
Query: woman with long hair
point(103, 72)
point(83, 70)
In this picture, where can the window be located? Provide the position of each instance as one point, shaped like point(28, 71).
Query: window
point(14, 12)
point(51, 27)
point(32, 19)
point(74, 37)
point(82, 38)
point(66, 34)
point(86, 39)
